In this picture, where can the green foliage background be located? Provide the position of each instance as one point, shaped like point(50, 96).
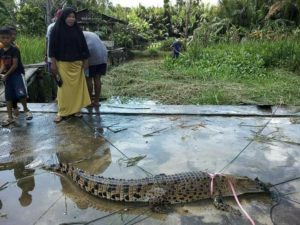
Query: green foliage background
point(159, 23)
point(32, 48)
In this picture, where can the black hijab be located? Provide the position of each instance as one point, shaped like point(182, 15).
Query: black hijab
point(67, 43)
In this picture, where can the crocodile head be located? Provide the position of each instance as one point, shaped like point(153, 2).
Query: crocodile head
point(245, 185)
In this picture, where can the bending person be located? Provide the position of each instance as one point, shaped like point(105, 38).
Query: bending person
point(69, 53)
point(97, 65)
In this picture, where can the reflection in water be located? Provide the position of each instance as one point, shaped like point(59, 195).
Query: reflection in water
point(25, 181)
point(117, 100)
point(94, 164)
point(4, 131)
point(24, 178)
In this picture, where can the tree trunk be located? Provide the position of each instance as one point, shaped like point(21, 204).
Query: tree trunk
point(187, 18)
point(48, 12)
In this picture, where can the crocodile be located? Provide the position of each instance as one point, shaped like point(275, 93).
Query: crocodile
point(163, 189)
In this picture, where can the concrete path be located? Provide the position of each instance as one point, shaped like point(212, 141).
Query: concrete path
point(240, 140)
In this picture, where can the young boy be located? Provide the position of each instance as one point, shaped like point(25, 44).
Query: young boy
point(13, 42)
point(11, 73)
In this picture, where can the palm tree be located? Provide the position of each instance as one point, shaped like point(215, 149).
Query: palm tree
point(3, 9)
point(4, 14)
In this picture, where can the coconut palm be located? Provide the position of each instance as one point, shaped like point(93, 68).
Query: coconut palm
point(4, 14)
point(248, 13)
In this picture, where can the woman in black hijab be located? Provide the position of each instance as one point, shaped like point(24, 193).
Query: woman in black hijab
point(69, 53)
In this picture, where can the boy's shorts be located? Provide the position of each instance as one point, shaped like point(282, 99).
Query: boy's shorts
point(99, 69)
point(15, 87)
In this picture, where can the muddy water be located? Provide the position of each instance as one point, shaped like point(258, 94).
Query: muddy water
point(169, 144)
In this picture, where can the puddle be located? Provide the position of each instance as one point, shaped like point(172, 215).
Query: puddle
point(151, 144)
point(4, 131)
point(116, 100)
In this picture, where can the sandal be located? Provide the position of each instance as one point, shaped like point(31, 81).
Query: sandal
point(7, 122)
point(78, 115)
point(58, 119)
point(28, 115)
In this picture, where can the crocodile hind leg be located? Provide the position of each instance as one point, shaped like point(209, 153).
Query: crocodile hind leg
point(158, 200)
point(221, 205)
point(162, 207)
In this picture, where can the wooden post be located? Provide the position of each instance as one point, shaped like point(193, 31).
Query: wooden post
point(48, 10)
point(187, 18)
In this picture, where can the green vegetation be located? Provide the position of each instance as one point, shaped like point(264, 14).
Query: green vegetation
point(238, 52)
point(248, 73)
point(248, 60)
point(31, 20)
point(153, 24)
point(6, 12)
point(32, 48)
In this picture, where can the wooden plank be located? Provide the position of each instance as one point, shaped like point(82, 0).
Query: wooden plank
point(36, 65)
point(30, 74)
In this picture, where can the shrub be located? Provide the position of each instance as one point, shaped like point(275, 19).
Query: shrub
point(152, 52)
point(278, 54)
point(165, 45)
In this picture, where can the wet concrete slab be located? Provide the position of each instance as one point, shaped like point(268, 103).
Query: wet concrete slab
point(157, 109)
point(99, 142)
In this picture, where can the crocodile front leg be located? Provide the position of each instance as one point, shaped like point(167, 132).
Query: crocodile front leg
point(221, 205)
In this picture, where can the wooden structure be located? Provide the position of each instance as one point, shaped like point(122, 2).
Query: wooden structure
point(84, 16)
point(86, 20)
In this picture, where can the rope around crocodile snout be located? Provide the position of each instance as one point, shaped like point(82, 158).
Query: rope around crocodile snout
point(212, 177)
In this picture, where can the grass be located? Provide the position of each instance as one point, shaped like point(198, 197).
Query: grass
point(153, 80)
point(248, 73)
point(32, 49)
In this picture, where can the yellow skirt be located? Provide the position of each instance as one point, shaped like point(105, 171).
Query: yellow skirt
point(73, 94)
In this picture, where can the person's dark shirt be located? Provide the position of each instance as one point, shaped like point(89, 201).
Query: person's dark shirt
point(69, 45)
point(7, 56)
point(176, 46)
